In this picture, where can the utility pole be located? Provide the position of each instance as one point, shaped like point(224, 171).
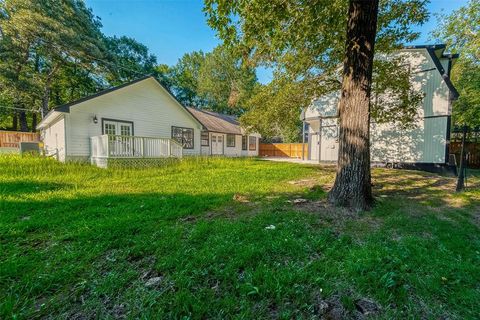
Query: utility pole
point(461, 174)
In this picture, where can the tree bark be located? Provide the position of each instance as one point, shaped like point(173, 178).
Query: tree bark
point(352, 187)
point(47, 90)
point(23, 121)
point(34, 122)
point(46, 97)
point(15, 121)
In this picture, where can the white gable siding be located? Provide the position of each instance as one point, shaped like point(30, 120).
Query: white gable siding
point(436, 101)
point(53, 137)
point(325, 106)
point(151, 109)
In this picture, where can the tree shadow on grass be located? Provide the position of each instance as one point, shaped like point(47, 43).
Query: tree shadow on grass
point(425, 188)
point(19, 188)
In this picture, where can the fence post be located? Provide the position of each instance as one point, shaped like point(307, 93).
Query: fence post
point(106, 140)
point(461, 174)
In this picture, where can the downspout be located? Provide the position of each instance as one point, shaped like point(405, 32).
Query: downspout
point(302, 117)
point(320, 140)
point(303, 140)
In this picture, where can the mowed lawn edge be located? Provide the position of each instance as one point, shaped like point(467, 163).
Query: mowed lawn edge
point(226, 238)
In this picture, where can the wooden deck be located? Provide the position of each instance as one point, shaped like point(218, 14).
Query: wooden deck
point(105, 147)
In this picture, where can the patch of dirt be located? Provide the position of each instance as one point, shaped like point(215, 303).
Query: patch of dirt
point(297, 201)
point(327, 211)
point(228, 212)
point(312, 184)
point(303, 182)
point(119, 311)
point(153, 282)
point(240, 198)
point(80, 316)
point(332, 308)
point(367, 307)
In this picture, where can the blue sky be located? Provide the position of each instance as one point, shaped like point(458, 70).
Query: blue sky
point(171, 28)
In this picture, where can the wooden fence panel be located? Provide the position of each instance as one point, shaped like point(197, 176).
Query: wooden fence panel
point(12, 139)
point(472, 152)
point(290, 150)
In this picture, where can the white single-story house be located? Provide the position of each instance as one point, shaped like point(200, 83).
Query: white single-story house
point(223, 135)
point(140, 119)
point(425, 146)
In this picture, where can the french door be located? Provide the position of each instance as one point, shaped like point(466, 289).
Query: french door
point(217, 144)
point(120, 138)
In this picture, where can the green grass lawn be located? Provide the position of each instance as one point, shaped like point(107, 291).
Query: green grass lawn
point(222, 238)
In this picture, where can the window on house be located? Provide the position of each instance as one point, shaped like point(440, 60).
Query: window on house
point(204, 138)
point(110, 128)
point(230, 140)
point(244, 142)
point(184, 136)
point(125, 130)
point(252, 143)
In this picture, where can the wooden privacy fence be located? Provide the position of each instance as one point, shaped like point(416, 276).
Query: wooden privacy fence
point(472, 151)
point(12, 139)
point(291, 150)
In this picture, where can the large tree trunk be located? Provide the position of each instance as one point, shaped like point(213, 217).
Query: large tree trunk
point(15, 121)
point(352, 186)
point(47, 90)
point(23, 121)
point(34, 122)
point(46, 98)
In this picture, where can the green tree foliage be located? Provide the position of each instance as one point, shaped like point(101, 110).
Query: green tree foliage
point(273, 109)
point(394, 99)
point(53, 52)
point(304, 42)
point(216, 80)
point(183, 79)
point(461, 32)
point(127, 59)
point(39, 38)
point(225, 82)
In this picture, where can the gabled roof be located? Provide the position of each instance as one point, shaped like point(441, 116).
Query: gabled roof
point(217, 122)
point(65, 108)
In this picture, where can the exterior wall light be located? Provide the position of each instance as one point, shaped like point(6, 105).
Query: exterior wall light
point(95, 120)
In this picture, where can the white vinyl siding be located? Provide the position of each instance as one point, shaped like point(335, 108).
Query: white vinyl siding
point(53, 137)
point(425, 143)
point(152, 110)
point(231, 151)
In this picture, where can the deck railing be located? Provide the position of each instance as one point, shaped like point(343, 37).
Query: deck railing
point(115, 146)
